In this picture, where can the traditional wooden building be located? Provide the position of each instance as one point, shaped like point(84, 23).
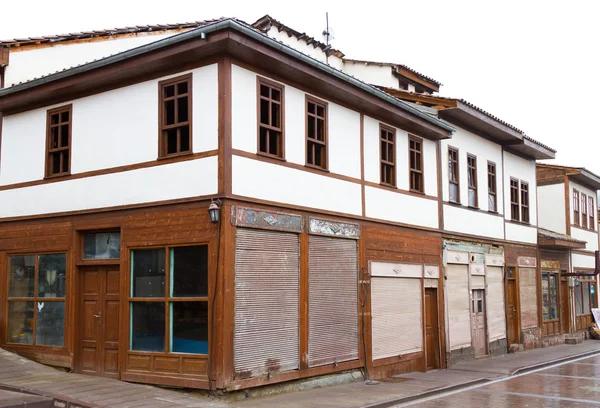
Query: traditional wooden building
point(568, 243)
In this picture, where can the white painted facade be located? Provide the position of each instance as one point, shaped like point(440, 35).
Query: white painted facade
point(582, 261)
point(381, 75)
point(463, 220)
point(551, 209)
point(525, 171)
point(28, 63)
point(588, 193)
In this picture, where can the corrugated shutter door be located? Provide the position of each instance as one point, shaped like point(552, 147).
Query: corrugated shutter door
point(396, 308)
point(332, 300)
point(267, 273)
point(496, 318)
point(459, 312)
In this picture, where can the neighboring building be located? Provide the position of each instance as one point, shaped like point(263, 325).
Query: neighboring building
point(568, 242)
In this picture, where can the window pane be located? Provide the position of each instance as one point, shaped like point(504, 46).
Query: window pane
point(182, 109)
point(184, 135)
point(578, 299)
point(148, 273)
point(545, 296)
point(472, 198)
point(586, 297)
point(171, 135)
point(105, 245)
point(189, 268)
point(50, 324)
point(22, 275)
point(182, 88)
point(147, 326)
point(52, 275)
point(264, 111)
point(169, 91)
point(492, 202)
point(64, 136)
point(20, 321)
point(189, 327)
point(64, 116)
point(453, 192)
point(170, 112)
point(553, 297)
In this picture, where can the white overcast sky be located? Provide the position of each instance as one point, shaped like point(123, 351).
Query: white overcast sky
point(533, 64)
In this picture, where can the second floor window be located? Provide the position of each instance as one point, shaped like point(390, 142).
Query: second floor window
point(524, 202)
point(584, 219)
point(472, 179)
point(575, 207)
point(58, 143)
point(591, 212)
point(388, 156)
point(514, 200)
point(415, 151)
point(175, 116)
point(316, 133)
point(492, 205)
point(453, 175)
point(270, 116)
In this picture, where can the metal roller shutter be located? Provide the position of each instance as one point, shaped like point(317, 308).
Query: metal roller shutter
point(267, 273)
point(459, 310)
point(496, 318)
point(332, 300)
point(396, 308)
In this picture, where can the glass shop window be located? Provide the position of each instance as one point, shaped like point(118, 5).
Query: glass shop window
point(550, 295)
point(36, 299)
point(169, 299)
point(104, 245)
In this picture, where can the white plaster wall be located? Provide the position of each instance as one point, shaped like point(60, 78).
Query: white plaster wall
point(29, 64)
point(403, 208)
point(343, 125)
point(485, 150)
point(372, 74)
point(185, 179)
point(591, 237)
point(589, 193)
point(582, 261)
point(523, 170)
point(551, 207)
point(372, 156)
point(299, 45)
point(265, 181)
point(110, 129)
point(472, 222)
point(521, 233)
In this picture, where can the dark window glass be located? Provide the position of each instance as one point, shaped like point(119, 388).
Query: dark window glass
point(20, 319)
point(50, 324)
point(104, 245)
point(148, 326)
point(316, 139)
point(22, 276)
point(189, 327)
point(148, 274)
point(52, 275)
point(175, 120)
point(189, 266)
point(58, 131)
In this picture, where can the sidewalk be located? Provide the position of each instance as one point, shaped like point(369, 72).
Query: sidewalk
point(406, 387)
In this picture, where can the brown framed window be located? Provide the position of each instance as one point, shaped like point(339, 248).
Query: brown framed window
point(453, 175)
point(168, 302)
point(584, 219)
point(591, 211)
point(575, 207)
point(472, 179)
point(387, 155)
point(316, 133)
point(415, 155)
point(550, 296)
point(36, 299)
point(524, 202)
point(514, 200)
point(58, 141)
point(175, 116)
point(270, 119)
point(584, 297)
point(492, 204)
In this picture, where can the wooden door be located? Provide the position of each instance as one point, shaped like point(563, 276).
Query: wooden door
point(98, 321)
point(432, 342)
point(565, 310)
point(512, 312)
point(478, 322)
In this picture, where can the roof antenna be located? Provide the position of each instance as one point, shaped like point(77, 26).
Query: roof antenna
point(328, 36)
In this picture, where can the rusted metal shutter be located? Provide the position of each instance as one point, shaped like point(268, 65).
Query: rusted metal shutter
point(332, 300)
point(397, 322)
point(267, 272)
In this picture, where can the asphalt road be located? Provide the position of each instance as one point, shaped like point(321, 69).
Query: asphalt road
point(574, 384)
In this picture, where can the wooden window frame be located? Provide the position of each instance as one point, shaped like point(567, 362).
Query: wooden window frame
point(386, 163)
point(583, 209)
point(49, 149)
point(524, 206)
point(260, 81)
point(556, 275)
point(515, 207)
point(167, 299)
point(162, 127)
point(576, 203)
point(413, 171)
point(591, 210)
point(452, 163)
point(472, 183)
point(579, 288)
point(492, 187)
point(307, 140)
point(35, 299)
